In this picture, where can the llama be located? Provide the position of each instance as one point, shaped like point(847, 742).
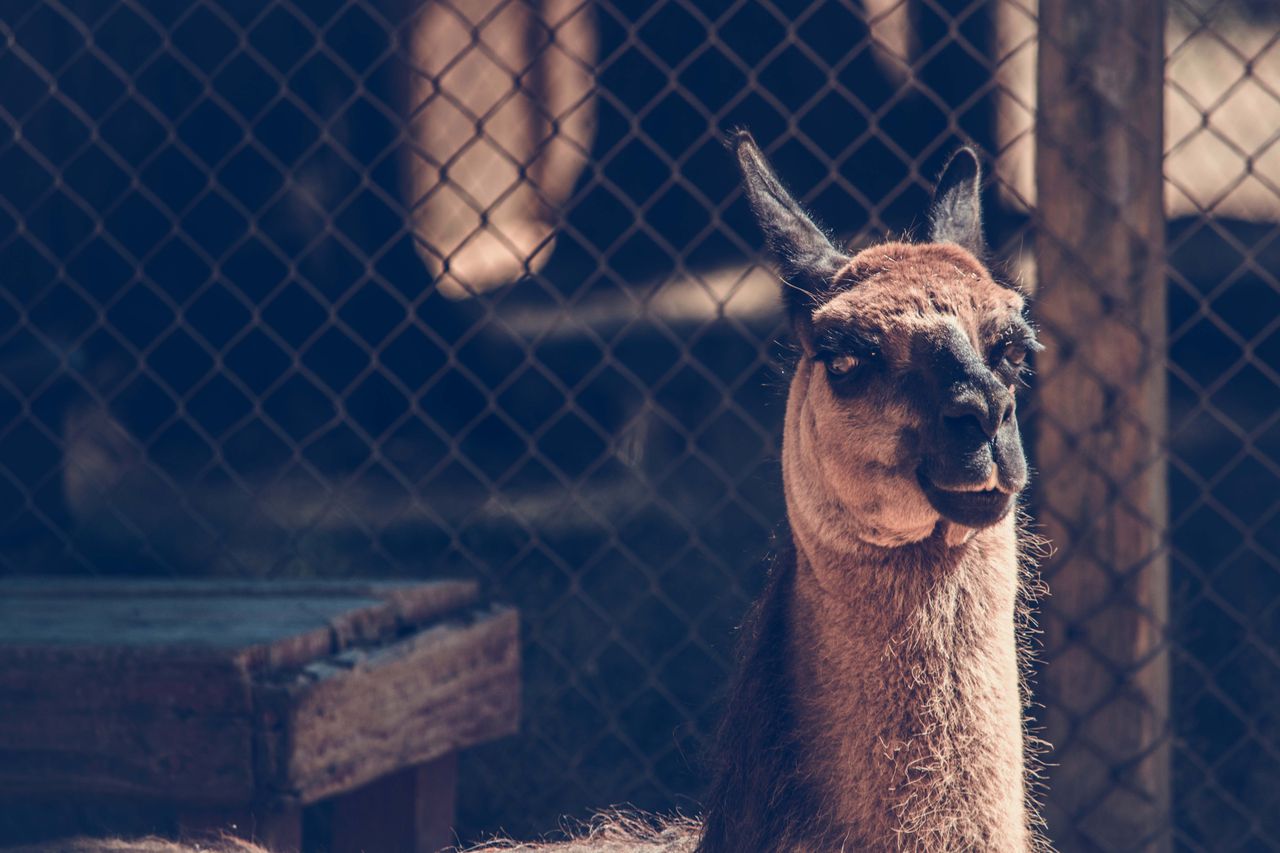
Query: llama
point(879, 703)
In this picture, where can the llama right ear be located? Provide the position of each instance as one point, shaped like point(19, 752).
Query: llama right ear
point(956, 214)
point(808, 260)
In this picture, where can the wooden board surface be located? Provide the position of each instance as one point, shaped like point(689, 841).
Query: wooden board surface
point(224, 693)
point(262, 625)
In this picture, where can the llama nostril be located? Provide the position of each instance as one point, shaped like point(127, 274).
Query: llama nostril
point(973, 417)
point(962, 426)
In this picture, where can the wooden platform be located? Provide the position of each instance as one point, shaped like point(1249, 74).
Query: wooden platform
point(237, 706)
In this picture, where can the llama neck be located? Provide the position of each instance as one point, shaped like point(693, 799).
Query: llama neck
point(906, 699)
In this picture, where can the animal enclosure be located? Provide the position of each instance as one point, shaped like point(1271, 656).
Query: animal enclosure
point(467, 288)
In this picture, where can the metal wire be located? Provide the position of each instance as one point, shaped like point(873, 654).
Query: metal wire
point(468, 288)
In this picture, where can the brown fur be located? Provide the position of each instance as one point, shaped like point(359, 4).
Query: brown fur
point(906, 680)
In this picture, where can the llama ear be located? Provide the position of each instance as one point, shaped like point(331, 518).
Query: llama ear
point(807, 258)
point(956, 214)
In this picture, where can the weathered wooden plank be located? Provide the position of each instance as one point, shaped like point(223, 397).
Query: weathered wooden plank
point(34, 677)
point(412, 593)
point(146, 688)
point(362, 714)
point(242, 703)
point(417, 602)
point(1101, 422)
point(199, 759)
point(156, 623)
point(139, 727)
point(262, 625)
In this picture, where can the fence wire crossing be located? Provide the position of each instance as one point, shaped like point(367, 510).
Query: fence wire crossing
point(467, 288)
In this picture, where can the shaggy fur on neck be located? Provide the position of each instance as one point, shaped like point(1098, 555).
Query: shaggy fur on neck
point(776, 750)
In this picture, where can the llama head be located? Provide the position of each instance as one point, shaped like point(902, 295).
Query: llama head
point(900, 418)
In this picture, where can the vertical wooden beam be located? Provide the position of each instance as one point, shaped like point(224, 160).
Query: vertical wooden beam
point(410, 811)
point(1101, 422)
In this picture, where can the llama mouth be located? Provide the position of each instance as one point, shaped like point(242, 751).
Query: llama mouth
point(969, 508)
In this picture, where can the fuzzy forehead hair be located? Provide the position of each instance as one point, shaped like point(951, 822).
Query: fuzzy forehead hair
point(890, 283)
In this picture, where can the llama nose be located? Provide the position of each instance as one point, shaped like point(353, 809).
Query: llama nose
point(971, 407)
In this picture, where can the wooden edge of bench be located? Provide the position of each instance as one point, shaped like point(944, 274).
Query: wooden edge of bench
point(342, 722)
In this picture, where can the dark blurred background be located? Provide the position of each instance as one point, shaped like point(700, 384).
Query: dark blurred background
point(467, 288)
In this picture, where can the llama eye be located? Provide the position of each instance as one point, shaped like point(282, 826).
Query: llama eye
point(1007, 351)
point(842, 365)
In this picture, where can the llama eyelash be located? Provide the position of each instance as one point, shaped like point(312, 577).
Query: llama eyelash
point(844, 341)
point(863, 357)
point(1020, 370)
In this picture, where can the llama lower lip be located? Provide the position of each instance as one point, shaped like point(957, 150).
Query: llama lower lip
point(972, 509)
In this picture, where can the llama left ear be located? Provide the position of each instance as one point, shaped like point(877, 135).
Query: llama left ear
point(956, 214)
point(808, 259)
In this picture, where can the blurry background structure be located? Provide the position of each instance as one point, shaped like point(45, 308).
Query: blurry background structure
point(467, 288)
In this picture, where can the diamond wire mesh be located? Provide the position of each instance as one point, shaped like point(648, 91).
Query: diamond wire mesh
point(1223, 100)
point(233, 238)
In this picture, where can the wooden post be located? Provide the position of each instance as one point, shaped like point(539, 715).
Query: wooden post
point(406, 812)
point(1101, 422)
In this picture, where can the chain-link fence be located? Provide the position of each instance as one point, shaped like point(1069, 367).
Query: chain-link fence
point(1223, 195)
point(467, 287)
